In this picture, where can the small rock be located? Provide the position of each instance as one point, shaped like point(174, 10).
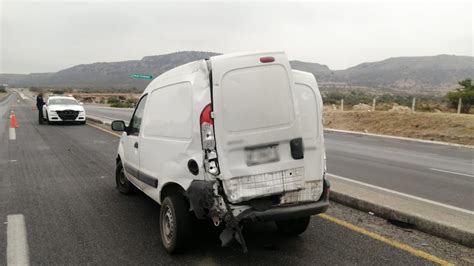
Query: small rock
point(371, 213)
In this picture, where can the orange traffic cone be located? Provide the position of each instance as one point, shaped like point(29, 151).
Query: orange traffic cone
point(13, 122)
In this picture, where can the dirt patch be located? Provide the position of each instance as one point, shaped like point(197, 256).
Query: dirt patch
point(445, 127)
point(362, 107)
point(399, 109)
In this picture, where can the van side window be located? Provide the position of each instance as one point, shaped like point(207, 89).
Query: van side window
point(138, 116)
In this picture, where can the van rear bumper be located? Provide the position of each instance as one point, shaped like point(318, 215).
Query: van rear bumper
point(286, 212)
point(289, 211)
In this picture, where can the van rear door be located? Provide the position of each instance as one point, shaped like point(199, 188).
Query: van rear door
point(258, 140)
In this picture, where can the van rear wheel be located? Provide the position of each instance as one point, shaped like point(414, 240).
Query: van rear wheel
point(123, 185)
point(293, 227)
point(175, 223)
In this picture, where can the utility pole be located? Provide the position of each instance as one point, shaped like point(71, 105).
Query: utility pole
point(413, 102)
point(342, 104)
point(459, 105)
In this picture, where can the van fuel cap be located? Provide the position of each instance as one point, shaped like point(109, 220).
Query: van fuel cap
point(193, 167)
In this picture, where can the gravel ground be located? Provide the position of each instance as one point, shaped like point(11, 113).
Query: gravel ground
point(439, 247)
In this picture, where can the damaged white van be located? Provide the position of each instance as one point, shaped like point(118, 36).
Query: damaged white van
point(234, 138)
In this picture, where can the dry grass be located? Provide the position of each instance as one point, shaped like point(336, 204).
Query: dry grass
point(445, 127)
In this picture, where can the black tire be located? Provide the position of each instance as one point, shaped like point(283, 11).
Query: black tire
point(123, 185)
point(293, 227)
point(175, 223)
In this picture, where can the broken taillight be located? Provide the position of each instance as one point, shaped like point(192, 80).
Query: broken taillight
point(209, 141)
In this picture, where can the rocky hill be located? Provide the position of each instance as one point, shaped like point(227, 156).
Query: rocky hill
point(412, 74)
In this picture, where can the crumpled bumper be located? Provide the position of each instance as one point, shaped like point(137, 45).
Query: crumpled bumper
point(293, 211)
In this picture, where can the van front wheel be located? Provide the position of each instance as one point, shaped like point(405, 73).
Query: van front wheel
point(123, 185)
point(175, 223)
point(293, 227)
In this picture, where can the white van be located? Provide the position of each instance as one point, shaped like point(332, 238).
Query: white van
point(234, 138)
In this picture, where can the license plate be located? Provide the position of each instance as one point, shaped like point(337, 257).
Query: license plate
point(262, 155)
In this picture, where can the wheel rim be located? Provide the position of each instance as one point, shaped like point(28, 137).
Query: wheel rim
point(168, 225)
point(122, 178)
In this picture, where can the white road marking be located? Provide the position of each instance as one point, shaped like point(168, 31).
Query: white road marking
point(403, 194)
point(454, 173)
point(17, 245)
point(12, 133)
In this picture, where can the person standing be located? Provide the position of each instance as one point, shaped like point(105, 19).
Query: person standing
point(39, 105)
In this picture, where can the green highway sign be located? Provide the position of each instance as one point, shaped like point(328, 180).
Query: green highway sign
point(141, 76)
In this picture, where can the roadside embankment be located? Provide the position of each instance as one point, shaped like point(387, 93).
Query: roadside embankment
point(445, 127)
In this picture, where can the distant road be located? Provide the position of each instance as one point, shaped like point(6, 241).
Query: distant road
point(434, 172)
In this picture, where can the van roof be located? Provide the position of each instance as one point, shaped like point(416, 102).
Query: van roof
point(243, 54)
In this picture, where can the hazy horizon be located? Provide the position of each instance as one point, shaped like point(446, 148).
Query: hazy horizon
point(44, 37)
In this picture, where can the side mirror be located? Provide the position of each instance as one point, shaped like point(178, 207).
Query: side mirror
point(118, 125)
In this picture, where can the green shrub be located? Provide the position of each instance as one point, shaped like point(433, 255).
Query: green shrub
point(121, 105)
point(465, 92)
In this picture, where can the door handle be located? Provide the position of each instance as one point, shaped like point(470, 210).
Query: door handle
point(135, 145)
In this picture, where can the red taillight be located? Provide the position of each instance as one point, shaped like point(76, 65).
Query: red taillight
point(267, 59)
point(206, 115)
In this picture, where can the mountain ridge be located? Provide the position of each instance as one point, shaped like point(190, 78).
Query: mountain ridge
point(437, 73)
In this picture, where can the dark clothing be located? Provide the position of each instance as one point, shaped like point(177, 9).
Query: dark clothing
point(39, 103)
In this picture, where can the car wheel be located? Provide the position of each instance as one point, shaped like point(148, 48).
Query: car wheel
point(123, 185)
point(175, 223)
point(293, 227)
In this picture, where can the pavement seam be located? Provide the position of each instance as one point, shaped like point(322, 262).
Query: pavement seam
point(390, 242)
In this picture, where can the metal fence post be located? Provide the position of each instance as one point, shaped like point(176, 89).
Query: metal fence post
point(342, 104)
point(413, 102)
point(373, 104)
point(459, 105)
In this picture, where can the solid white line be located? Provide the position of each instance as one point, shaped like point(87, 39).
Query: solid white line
point(403, 194)
point(17, 245)
point(12, 133)
point(400, 138)
point(454, 173)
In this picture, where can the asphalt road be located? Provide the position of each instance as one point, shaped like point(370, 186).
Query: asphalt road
point(60, 178)
point(439, 173)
